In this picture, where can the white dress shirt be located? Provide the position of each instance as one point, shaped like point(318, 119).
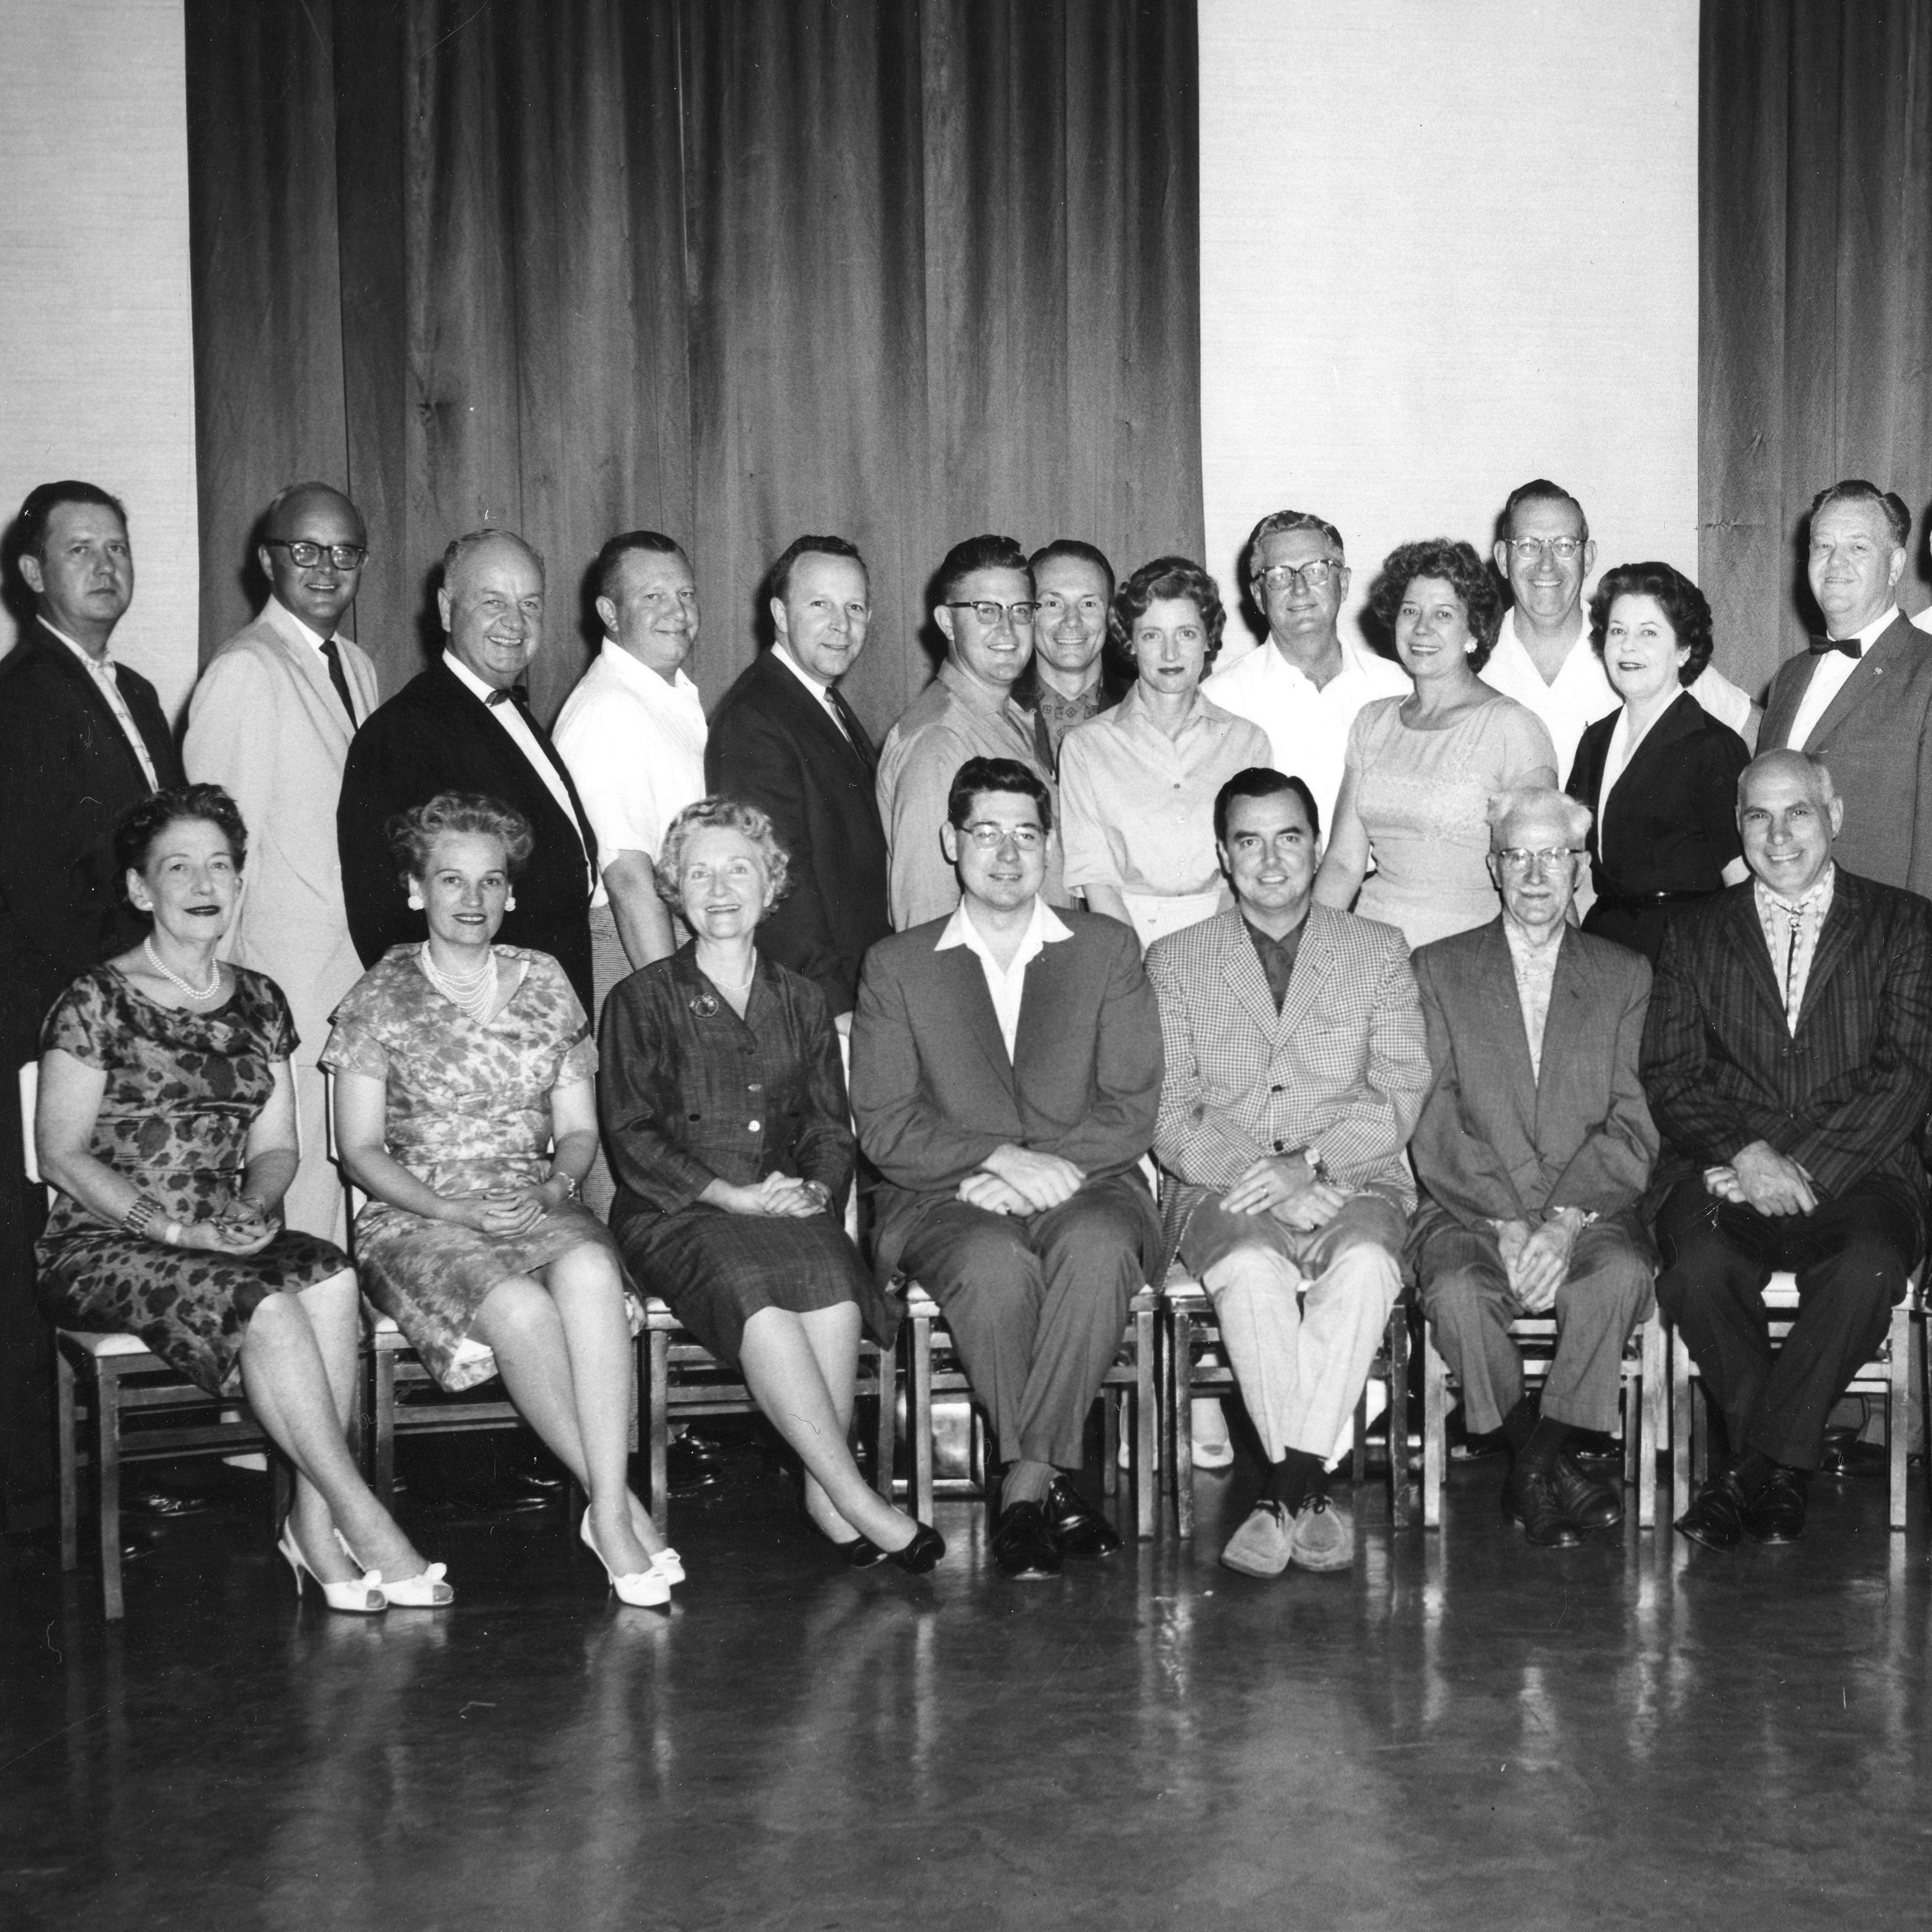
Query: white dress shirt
point(1791, 933)
point(512, 721)
point(634, 743)
point(1923, 621)
point(1581, 692)
point(1829, 671)
point(1307, 725)
point(1006, 984)
point(101, 670)
point(821, 694)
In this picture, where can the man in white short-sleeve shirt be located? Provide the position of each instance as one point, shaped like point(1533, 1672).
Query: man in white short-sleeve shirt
point(632, 733)
point(1544, 657)
point(1305, 685)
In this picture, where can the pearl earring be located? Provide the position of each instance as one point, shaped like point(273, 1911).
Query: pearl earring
point(415, 900)
point(510, 902)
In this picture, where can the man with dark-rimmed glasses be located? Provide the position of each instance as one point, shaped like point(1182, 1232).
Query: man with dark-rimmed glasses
point(984, 608)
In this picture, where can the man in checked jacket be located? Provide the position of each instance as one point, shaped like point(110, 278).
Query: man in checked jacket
point(1297, 1064)
point(1788, 1060)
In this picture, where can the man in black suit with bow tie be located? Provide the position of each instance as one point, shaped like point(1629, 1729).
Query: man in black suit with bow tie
point(1860, 698)
point(1787, 1057)
point(81, 738)
point(465, 725)
point(784, 739)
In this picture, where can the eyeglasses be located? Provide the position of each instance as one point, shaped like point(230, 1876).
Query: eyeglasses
point(1527, 550)
point(304, 555)
point(1311, 576)
point(990, 613)
point(1520, 858)
point(990, 837)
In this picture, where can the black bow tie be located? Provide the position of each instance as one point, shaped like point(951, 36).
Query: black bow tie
point(1823, 646)
point(518, 694)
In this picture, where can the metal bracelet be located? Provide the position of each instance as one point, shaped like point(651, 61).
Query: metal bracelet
point(142, 1215)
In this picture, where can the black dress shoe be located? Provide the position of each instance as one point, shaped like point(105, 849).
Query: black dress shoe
point(534, 1479)
point(925, 1549)
point(1591, 1505)
point(1716, 1518)
point(700, 1446)
point(861, 1553)
point(1077, 1528)
point(1023, 1545)
point(162, 1505)
point(686, 1472)
point(1776, 1514)
point(1593, 1445)
point(1529, 1497)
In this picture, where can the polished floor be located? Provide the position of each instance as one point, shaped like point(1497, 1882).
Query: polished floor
point(1463, 1731)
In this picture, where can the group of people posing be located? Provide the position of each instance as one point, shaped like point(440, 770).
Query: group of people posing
point(1500, 966)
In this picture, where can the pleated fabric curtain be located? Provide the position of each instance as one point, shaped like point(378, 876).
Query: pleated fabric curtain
point(1816, 327)
point(733, 269)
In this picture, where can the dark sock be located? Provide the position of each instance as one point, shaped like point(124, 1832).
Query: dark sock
point(1520, 1423)
point(1537, 1455)
point(1753, 1470)
point(1290, 1480)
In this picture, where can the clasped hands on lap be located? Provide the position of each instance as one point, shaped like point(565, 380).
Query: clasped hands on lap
point(1759, 1177)
point(1021, 1180)
point(781, 1195)
point(1537, 1260)
point(1290, 1188)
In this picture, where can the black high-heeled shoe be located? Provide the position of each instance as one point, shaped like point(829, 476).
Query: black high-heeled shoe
point(925, 1549)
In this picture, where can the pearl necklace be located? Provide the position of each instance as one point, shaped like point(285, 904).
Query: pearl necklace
point(475, 996)
point(188, 991)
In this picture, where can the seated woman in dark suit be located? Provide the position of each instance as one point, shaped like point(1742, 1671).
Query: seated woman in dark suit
point(1660, 773)
point(724, 1114)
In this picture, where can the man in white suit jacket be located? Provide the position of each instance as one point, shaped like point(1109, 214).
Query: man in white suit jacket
point(271, 722)
point(1296, 1065)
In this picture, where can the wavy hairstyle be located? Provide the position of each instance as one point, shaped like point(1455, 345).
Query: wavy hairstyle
point(144, 821)
point(722, 815)
point(1168, 577)
point(1687, 608)
point(1453, 562)
point(412, 835)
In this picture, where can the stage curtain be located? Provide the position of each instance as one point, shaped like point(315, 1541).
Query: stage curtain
point(1815, 140)
point(732, 271)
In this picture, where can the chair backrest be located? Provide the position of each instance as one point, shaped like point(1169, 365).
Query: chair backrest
point(30, 1094)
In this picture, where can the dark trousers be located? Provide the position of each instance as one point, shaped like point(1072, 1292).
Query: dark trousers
point(1037, 1305)
point(1851, 1257)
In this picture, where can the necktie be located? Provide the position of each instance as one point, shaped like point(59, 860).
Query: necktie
point(518, 694)
point(848, 721)
point(1824, 646)
point(333, 658)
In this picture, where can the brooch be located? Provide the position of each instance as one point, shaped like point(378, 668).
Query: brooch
point(705, 1005)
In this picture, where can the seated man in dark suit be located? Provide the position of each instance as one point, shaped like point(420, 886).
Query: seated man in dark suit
point(1296, 1065)
point(1533, 1151)
point(1006, 1067)
point(784, 739)
point(465, 725)
point(1788, 1059)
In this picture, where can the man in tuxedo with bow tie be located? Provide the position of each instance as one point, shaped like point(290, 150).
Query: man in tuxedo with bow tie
point(271, 722)
point(82, 739)
point(1788, 1060)
point(465, 725)
point(1861, 698)
point(1296, 1066)
point(784, 739)
point(1533, 1151)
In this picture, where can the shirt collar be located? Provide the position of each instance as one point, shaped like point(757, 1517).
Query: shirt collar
point(782, 652)
point(640, 678)
point(1819, 898)
point(970, 692)
point(1046, 927)
point(100, 665)
point(314, 639)
point(1875, 630)
point(465, 676)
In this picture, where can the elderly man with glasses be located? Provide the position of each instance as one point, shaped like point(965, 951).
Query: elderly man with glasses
point(985, 609)
point(1005, 1068)
point(1533, 1151)
point(1304, 686)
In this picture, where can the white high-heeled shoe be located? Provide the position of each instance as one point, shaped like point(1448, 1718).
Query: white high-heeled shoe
point(425, 1590)
point(363, 1598)
point(668, 1565)
point(648, 1589)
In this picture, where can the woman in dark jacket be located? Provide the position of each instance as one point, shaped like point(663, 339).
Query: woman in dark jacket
point(1660, 773)
point(724, 1109)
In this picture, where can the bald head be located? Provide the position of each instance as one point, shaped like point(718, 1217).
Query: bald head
point(492, 602)
point(306, 532)
point(1789, 812)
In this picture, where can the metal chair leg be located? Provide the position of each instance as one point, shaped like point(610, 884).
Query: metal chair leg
point(1650, 1420)
point(658, 1501)
point(1179, 1427)
point(1435, 1431)
point(1395, 1417)
point(1147, 1480)
point(1897, 1401)
point(70, 1474)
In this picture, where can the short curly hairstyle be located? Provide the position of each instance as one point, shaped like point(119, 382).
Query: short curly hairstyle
point(143, 822)
point(1687, 608)
point(412, 835)
point(1456, 564)
point(721, 815)
point(1167, 576)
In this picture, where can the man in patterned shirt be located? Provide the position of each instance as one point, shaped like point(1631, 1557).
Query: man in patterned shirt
point(1788, 1060)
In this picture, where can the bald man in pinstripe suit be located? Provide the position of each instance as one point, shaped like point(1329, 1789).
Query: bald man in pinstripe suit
point(1297, 1063)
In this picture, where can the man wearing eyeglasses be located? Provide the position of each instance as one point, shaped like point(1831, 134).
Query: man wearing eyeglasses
point(1533, 1151)
point(1306, 683)
point(1006, 1067)
point(985, 610)
point(1542, 657)
point(271, 722)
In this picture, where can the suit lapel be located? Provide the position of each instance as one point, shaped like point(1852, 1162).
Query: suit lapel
point(1866, 679)
point(1568, 1019)
point(964, 980)
point(108, 731)
point(1747, 938)
point(1242, 971)
point(1841, 922)
point(312, 678)
point(1314, 962)
point(810, 720)
point(1495, 988)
